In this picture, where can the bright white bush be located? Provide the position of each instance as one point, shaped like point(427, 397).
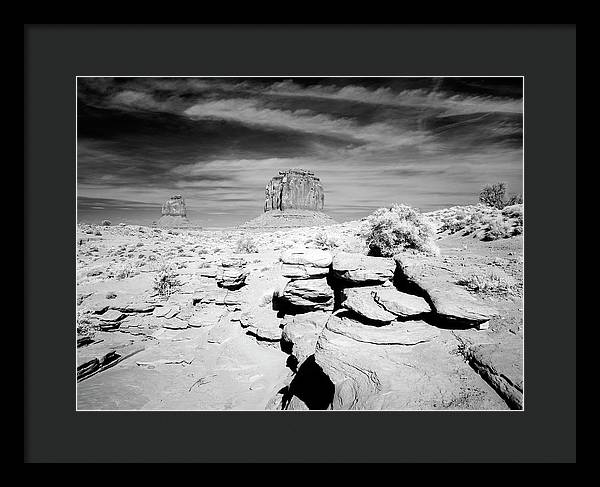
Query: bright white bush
point(389, 231)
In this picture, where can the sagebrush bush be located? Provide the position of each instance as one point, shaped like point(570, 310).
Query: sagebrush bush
point(323, 241)
point(487, 284)
point(392, 230)
point(166, 282)
point(247, 245)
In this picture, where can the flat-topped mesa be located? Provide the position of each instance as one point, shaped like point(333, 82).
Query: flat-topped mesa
point(294, 189)
point(174, 206)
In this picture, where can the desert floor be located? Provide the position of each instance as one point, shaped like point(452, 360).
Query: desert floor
point(196, 349)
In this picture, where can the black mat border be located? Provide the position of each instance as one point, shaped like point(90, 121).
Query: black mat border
point(545, 55)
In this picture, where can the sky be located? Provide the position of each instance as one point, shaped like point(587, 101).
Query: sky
point(426, 142)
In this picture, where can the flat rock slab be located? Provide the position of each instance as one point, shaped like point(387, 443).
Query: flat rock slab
point(359, 269)
point(165, 311)
point(263, 323)
point(297, 271)
point(112, 315)
point(207, 315)
point(437, 283)
point(397, 333)
point(210, 272)
point(501, 365)
point(399, 303)
point(222, 332)
point(174, 324)
point(309, 293)
point(361, 300)
point(368, 375)
point(307, 257)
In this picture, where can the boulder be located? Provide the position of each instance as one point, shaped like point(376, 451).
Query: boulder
point(310, 294)
point(294, 189)
point(355, 268)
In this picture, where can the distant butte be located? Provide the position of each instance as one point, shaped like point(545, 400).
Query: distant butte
point(293, 198)
point(174, 213)
point(294, 189)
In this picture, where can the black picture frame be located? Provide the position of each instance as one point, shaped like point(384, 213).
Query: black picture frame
point(55, 54)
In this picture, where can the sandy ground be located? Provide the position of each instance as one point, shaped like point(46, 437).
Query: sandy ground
point(189, 351)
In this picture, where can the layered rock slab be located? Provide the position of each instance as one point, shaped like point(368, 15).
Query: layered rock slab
point(361, 301)
point(303, 263)
point(309, 294)
point(501, 365)
point(394, 367)
point(359, 269)
point(437, 285)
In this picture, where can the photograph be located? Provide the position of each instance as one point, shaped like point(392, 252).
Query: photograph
point(298, 244)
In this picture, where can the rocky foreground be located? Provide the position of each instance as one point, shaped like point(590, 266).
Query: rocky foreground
point(299, 319)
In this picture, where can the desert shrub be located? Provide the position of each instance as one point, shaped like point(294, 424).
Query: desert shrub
point(246, 245)
point(84, 326)
point(166, 282)
point(497, 228)
point(456, 222)
point(323, 241)
point(106, 223)
point(123, 271)
point(515, 199)
point(493, 195)
point(514, 211)
point(491, 283)
point(392, 230)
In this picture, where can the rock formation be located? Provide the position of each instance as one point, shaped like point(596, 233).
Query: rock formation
point(174, 206)
point(294, 198)
point(174, 212)
point(294, 189)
